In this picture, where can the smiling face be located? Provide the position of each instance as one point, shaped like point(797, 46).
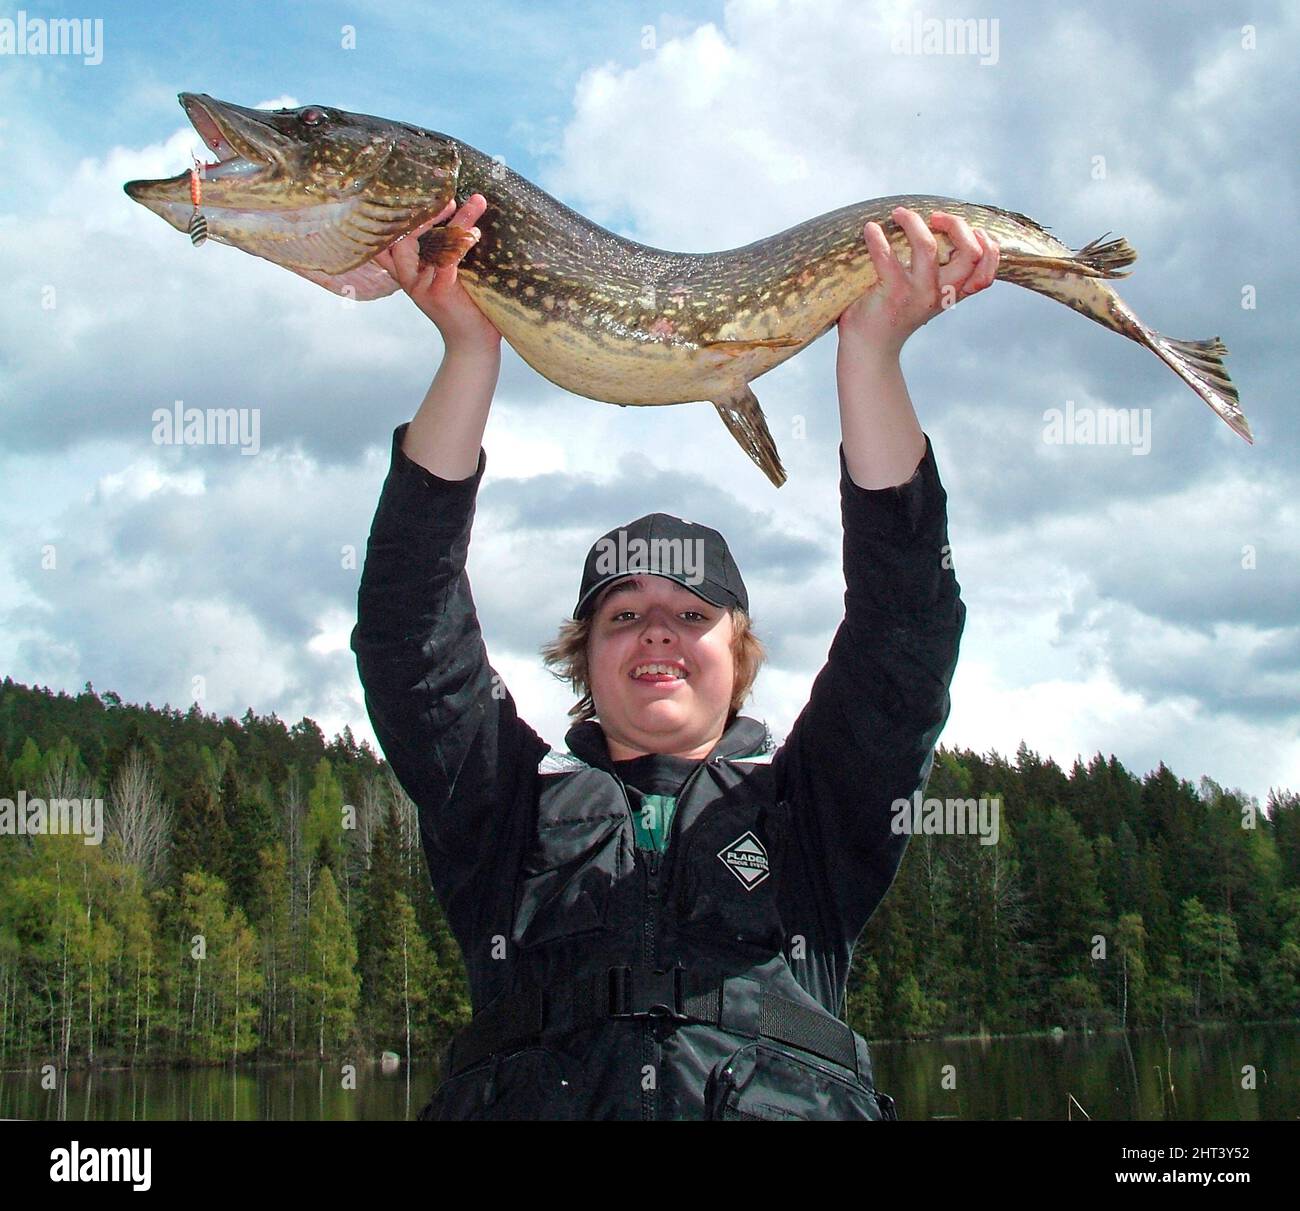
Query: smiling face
point(661, 668)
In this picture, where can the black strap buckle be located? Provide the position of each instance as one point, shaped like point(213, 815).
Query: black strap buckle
point(640, 992)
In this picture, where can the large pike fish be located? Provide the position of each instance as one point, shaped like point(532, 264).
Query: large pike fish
point(321, 191)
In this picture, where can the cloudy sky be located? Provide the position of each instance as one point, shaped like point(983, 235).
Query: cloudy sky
point(1136, 604)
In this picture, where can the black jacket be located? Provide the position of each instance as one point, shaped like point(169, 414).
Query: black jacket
point(776, 859)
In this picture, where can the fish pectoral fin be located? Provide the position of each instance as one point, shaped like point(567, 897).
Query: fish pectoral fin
point(735, 348)
point(444, 246)
point(742, 415)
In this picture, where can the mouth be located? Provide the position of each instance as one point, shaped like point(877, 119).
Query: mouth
point(319, 192)
point(658, 672)
point(235, 157)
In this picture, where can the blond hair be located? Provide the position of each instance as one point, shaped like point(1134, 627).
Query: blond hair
point(566, 658)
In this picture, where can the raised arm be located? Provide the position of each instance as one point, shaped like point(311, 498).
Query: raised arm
point(442, 715)
point(867, 736)
point(447, 432)
point(882, 438)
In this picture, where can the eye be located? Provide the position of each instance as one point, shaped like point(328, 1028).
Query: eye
point(697, 614)
point(312, 116)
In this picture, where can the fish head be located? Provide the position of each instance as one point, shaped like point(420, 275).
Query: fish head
point(315, 189)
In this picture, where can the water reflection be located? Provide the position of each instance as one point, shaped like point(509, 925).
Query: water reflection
point(1231, 1072)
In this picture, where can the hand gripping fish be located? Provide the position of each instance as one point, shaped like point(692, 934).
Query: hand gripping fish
point(321, 191)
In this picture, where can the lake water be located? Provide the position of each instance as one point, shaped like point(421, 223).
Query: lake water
point(1185, 1075)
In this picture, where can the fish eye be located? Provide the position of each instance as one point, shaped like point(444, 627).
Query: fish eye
point(312, 116)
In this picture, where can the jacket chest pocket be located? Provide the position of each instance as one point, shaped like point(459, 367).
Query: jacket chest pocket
point(760, 1081)
point(576, 853)
point(729, 876)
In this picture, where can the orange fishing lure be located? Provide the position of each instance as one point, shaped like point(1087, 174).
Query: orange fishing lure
point(198, 224)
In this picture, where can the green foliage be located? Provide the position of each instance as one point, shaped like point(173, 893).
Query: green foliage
point(323, 829)
point(864, 1007)
point(200, 839)
point(78, 951)
point(25, 773)
point(1282, 971)
point(217, 973)
point(404, 983)
point(1076, 1002)
point(1130, 945)
point(329, 985)
point(1195, 891)
point(247, 816)
point(1212, 952)
point(914, 1013)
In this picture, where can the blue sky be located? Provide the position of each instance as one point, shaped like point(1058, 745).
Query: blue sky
point(500, 73)
point(1110, 603)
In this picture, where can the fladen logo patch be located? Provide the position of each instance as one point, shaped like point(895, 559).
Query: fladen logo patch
point(746, 858)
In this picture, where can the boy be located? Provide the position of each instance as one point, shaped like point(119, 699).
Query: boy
point(660, 922)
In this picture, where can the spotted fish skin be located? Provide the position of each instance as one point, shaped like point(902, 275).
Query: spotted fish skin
point(597, 314)
point(614, 320)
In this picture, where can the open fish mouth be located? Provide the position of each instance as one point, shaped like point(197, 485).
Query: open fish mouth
point(314, 189)
point(236, 155)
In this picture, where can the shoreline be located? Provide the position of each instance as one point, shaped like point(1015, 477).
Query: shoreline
point(117, 1064)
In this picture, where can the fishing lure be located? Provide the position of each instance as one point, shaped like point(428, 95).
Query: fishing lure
point(198, 224)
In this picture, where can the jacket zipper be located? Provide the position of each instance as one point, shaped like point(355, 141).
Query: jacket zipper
point(677, 813)
point(649, 1048)
point(649, 936)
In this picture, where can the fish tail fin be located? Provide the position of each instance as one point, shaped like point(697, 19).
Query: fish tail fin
point(1074, 281)
point(1102, 258)
point(1200, 365)
point(741, 413)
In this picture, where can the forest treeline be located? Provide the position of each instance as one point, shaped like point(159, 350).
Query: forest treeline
point(261, 892)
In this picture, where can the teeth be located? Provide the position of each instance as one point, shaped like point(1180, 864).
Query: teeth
point(670, 669)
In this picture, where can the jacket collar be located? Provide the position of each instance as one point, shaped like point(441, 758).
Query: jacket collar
point(743, 738)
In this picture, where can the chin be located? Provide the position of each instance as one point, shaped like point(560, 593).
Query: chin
point(660, 716)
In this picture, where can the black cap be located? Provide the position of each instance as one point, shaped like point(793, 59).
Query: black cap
point(662, 545)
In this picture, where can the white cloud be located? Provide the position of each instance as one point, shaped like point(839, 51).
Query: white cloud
point(1108, 606)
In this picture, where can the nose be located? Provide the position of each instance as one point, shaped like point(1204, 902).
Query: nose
point(658, 626)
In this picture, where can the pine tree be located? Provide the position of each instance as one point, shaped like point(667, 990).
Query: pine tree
point(251, 829)
point(1284, 814)
point(1281, 981)
point(200, 839)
